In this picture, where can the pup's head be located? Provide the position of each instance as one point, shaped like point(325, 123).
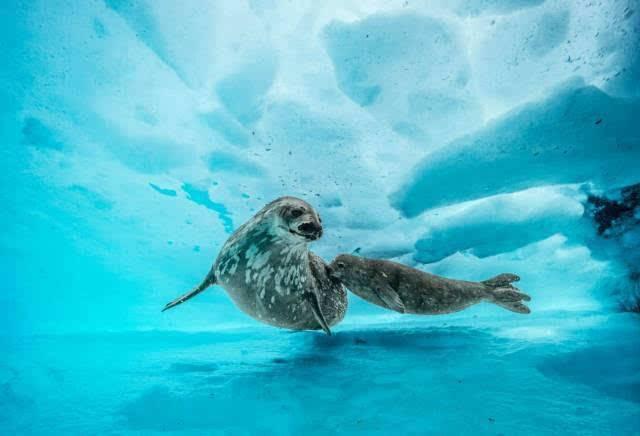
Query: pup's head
point(348, 268)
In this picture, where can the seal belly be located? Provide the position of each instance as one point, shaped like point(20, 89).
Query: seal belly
point(268, 282)
point(290, 311)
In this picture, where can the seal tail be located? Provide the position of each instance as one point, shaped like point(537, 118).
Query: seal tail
point(500, 291)
point(208, 281)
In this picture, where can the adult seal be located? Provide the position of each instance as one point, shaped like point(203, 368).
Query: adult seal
point(268, 271)
point(408, 290)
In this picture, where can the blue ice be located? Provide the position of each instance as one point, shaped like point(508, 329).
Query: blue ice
point(464, 138)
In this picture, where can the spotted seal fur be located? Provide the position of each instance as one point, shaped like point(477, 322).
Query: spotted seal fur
point(270, 274)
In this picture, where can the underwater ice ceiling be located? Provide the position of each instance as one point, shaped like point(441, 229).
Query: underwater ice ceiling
point(464, 137)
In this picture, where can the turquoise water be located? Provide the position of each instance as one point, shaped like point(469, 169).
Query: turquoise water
point(466, 138)
point(415, 378)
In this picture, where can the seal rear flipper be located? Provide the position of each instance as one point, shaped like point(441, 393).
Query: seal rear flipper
point(514, 306)
point(500, 291)
point(210, 280)
point(312, 299)
point(502, 280)
point(508, 297)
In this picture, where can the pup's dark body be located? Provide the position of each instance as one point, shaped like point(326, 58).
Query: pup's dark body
point(407, 290)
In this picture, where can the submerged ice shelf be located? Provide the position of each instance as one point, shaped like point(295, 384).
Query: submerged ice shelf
point(566, 372)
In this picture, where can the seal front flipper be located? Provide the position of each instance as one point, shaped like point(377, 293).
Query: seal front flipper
point(387, 294)
point(384, 287)
point(312, 299)
point(208, 281)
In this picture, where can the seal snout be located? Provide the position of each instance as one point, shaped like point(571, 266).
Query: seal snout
point(310, 230)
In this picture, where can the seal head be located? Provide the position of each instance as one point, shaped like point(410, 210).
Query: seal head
point(297, 218)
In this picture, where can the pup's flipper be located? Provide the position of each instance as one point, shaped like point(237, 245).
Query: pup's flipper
point(388, 295)
point(500, 291)
point(502, 280)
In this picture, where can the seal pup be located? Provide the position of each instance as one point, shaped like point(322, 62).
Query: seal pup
point(268, 271)
point(407, 290)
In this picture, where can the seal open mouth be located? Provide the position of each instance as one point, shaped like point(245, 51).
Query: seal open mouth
point(307, 236)
point(309, 231)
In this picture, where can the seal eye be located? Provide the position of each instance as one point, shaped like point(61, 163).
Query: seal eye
point(295, 213)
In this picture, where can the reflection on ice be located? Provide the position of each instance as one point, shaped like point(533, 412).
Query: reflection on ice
point(419, 375)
